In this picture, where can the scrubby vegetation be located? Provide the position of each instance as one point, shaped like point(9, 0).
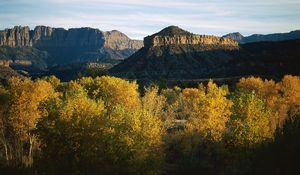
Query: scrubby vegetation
point(104, 125)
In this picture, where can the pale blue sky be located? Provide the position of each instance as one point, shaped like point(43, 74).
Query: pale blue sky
point(139, 18)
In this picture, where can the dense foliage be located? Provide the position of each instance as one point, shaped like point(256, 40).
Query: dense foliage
point(104, 125)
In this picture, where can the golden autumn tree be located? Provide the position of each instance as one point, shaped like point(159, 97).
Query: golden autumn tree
point(69, 131)
point(280, 97)
point(23, 114)
point(154, 103)
point(52, 80)
point(209, 110)
point(290, 89)
point(94, 136)
point(197, 145)
point(135, 138)
point(112, 91)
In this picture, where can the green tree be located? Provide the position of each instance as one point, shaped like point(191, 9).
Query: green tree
point(249, 124)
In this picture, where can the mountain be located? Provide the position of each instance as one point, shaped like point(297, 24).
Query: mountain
point(235, 36)
point(259, 38)
point(57, 46)
point(175, 54)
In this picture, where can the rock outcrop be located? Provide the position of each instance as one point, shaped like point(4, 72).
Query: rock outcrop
point(5, 63)
point(16, 37)
point(237, 36)
point(43, 37)
point(119, 41)
point(173, 35)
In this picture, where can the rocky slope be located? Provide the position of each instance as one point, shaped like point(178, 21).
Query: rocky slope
point(260, 38)
point(6, 73)
point(176, 56)
point(67, 46)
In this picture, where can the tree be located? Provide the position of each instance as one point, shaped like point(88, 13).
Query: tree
point(4, 99)
point(112, 91)
point(290, 90)
point(280, 97)
point(69, 132)
point(80, 134)
point(209, 110)
point(249, 124)
point(23, 112)
point(154, 103)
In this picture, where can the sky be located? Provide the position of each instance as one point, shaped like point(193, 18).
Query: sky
point(139, 18)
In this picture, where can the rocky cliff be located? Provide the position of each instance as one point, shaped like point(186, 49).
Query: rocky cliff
point(237, 36)
point(119, 41)
point(16, 37)
point(43, 37)
point(57, 46)
point(173, 35)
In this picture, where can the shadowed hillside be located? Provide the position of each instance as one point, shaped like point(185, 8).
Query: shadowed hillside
point(181, 56)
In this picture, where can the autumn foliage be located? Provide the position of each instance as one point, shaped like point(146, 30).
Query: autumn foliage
point(104, 125)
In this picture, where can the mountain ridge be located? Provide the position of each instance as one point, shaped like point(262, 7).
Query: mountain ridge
point(63, 46)
point(295, 34)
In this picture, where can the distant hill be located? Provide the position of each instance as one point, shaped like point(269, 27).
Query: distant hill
point(260, 38)
point(47, 46)
point(182, 56)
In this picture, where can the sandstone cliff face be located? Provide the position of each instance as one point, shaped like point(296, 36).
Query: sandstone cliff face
point(16, 37)
point(119, 41)
point(191, 39)
point(175, 36)
point(8, 63)
point(45, 37)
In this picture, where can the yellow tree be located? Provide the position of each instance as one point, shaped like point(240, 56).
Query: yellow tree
point(86, 136)
point(279, 97)
point(267, 90)
point(154, 103)
point(23, 113)
point(290, 88)
point(53, 80)
point(209, 110)
point(112, 91)
point(69, 131)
